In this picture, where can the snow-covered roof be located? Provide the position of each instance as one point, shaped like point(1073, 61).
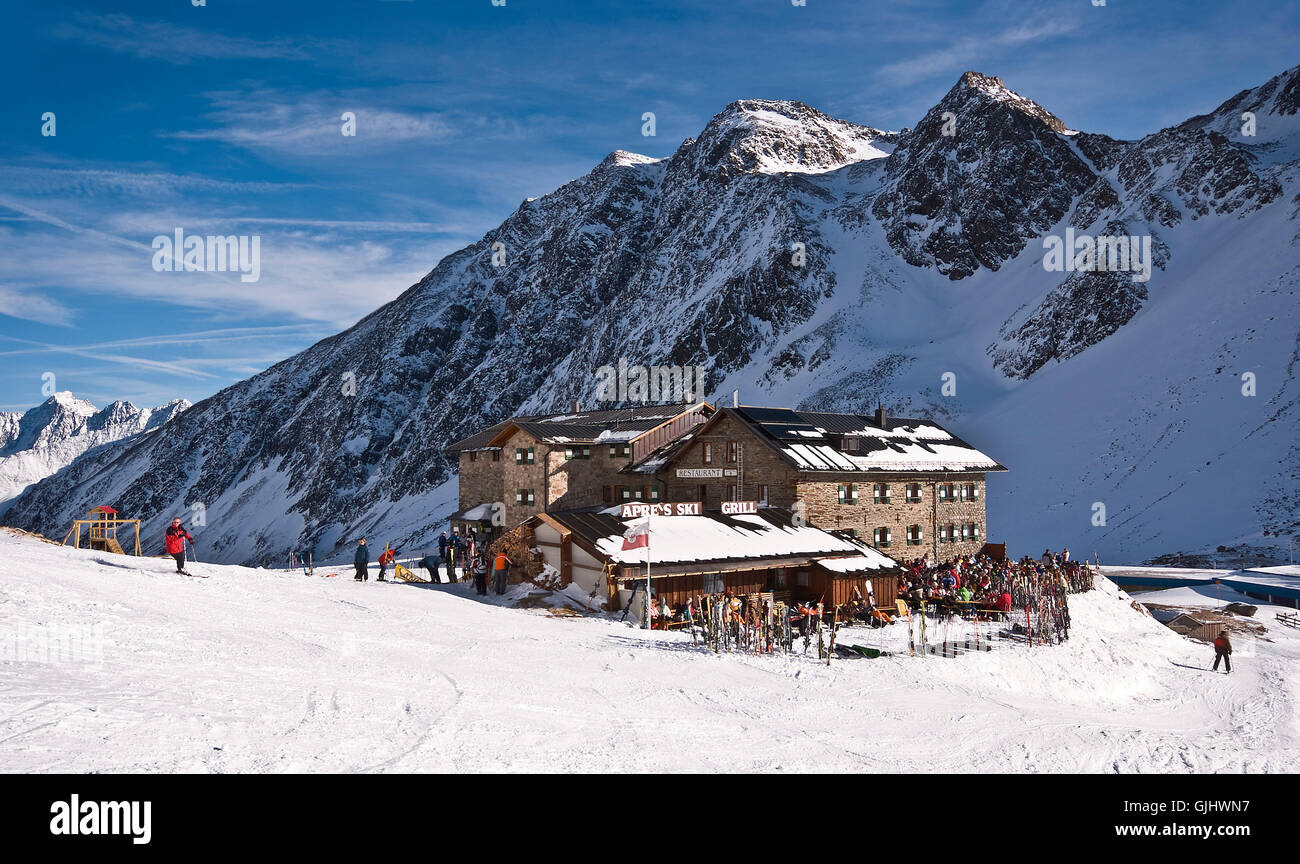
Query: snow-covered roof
point(479, 513)
point(605, 426)
point(713, 537)
point(822, 441)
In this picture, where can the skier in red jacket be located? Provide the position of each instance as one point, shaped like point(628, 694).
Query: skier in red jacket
point(175, 538)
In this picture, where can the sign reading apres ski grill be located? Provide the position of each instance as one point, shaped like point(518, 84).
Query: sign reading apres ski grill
point(681, 508)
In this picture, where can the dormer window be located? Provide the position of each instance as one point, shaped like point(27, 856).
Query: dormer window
point(851, 444)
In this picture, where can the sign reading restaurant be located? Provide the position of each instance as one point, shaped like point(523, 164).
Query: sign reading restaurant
point(679, 508)
point(705, 473)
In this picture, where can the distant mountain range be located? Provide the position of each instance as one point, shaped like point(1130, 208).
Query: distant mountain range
point(816, 263)
point(37, 443)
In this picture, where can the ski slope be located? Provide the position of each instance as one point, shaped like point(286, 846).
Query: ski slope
point(268, 671)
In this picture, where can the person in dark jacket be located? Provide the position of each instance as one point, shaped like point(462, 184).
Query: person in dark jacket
point(174, 539)
point(1223, 651)
point(361, 561)
point(442, 546)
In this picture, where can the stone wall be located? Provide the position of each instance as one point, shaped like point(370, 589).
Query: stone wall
point(755, 465)
point(823, 509)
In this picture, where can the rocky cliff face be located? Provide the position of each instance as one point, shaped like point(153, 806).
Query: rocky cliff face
point(809, 261)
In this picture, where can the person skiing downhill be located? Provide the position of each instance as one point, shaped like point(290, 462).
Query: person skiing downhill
point(1223, 651)
point(361, 561)
point(174, 539)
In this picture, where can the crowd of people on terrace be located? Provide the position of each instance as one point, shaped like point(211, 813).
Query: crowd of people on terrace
point(970, 584)
point(988, 583)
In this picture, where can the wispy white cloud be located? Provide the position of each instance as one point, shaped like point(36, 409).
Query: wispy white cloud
point(33, 306)
point(966, 51)
point(173, 43)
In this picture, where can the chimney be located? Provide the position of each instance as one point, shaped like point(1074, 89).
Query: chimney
point(577, 406)
point(735, 398)
point(880, 415)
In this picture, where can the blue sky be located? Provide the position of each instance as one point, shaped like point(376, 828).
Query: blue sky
point(225, 119)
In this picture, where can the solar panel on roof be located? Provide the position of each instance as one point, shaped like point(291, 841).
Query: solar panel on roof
point(768, 415)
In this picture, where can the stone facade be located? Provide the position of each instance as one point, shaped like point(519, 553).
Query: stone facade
point(740, 467)
point(744, 470)
point(556, 480)
point(896, 513)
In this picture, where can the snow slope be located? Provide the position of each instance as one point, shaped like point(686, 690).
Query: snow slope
point(259, 670)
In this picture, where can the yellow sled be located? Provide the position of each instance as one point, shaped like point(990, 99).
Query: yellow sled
point(405, 575)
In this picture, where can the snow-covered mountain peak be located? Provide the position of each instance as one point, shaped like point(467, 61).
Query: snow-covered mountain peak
point(66, 402)
point(989, 88)
point(39, 442)
point(623, 159)
point(776, 136)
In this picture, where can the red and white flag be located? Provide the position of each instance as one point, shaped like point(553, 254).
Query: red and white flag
point(637, 536)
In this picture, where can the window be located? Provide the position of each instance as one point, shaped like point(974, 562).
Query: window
point(524, 456)
point(496, 455)
point(882, 537)
point(733, 451)
point(731, 492)
point(915, 536)
point(575, 452)
point(947, 533)
point(708, 454)
point(524, 496)
point(617, 450)
point(965, 530)
point(778, 578)
point(624, 493)
point(945, 492)
point(652, 492)
point(971, 492)
point(528, 456)
point(974, 531)
point(848, 493)
point(850, 444)
point(713, 583)
point(473, 457)
point(607, 494)
point(913, 492)
point(762, 494)
point(880, 493)
point(801, 578)
point(638, 493)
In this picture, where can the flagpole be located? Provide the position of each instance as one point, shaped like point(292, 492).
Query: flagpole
point(647, 571)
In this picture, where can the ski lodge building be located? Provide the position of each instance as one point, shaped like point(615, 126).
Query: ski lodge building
point(906, 487)
point(814, 502)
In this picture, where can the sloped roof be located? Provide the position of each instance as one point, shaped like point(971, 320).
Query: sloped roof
point(613, 425)
point(715, 538)
point(812, 441)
